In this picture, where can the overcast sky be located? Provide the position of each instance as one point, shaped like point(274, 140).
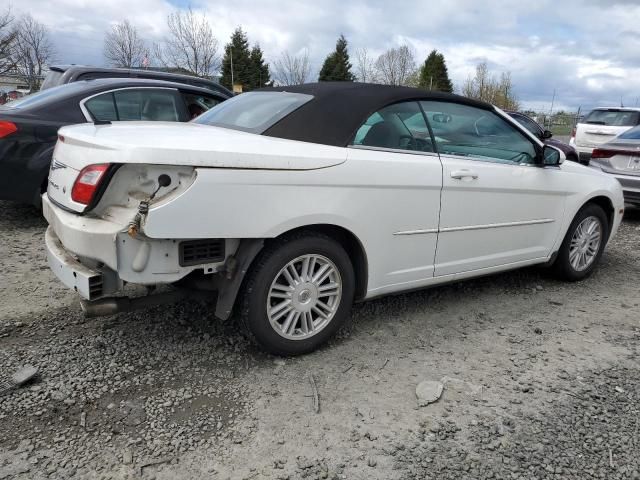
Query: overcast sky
point(588, 51)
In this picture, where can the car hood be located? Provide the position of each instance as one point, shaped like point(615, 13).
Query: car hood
point(188, 144)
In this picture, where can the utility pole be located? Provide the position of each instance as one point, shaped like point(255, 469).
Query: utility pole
point(431, 82)
point(553, 99)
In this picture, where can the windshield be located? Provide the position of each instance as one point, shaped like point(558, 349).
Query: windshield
point(253, 112)
point(613, 118)
point(527, 123)
point(38, 98)
point(633, 134)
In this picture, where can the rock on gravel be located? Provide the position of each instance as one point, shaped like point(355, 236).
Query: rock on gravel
point(428, 391)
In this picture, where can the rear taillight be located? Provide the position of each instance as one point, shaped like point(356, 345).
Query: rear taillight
point(602, 153)
point(573, 132)
point(88, 182)
point(605, 153)
point(7, 128)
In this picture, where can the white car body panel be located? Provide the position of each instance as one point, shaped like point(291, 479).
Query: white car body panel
point(417, 225)
point(356, 195)
point(494, 228)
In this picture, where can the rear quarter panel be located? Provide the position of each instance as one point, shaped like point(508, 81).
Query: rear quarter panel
point(367, 195)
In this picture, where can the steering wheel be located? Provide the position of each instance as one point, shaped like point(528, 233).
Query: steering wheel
point(415, 143)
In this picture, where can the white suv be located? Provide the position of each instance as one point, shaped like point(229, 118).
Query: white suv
point(602, 125)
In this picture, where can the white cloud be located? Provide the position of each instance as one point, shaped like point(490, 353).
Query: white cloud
point(588, 51)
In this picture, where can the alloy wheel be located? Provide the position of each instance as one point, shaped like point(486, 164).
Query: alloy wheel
point(304, 296)
point(585, 243)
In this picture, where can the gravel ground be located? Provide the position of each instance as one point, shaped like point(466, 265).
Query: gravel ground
point(541, 380)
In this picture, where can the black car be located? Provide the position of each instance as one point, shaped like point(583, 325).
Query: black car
point(545, 135)
point(29, 126)
point(61, 74)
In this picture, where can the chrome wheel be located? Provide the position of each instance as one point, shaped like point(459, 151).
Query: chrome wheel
point(304, 297)
point(585, 243)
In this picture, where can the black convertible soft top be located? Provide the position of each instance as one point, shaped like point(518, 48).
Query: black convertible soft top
point(338, 109)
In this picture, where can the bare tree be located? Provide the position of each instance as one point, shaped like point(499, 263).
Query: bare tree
point(33, 51)
point(291, 69)
point(7, 41)
point(365, 66)
point(484, 86)
point(123, 47)
point(396, 66)
point(190, 46)
point(505, 96)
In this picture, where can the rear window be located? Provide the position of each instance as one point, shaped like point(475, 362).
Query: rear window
point(37, 99)
point(253, 112)
point(613, 118)
point(633, 134)
point(52, 79)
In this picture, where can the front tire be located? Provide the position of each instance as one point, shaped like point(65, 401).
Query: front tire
point(298, 293)
point(583, 244)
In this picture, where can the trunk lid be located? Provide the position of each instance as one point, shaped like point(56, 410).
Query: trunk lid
point(177, 144)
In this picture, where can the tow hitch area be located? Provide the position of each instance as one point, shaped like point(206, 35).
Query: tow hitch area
point(113, 305)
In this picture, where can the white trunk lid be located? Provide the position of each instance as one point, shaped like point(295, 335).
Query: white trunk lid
point(595, 135)
point(169, 143)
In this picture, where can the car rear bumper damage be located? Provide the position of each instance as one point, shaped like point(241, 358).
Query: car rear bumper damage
point(96, 258)
point(89, 283)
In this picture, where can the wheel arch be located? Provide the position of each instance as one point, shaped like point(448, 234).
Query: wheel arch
point(352, 245)
point(607, 205)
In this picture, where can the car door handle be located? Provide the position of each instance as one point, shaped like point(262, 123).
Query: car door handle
point(460, 174)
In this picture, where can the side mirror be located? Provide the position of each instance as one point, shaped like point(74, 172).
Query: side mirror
point(547, 134)
point(551, 156)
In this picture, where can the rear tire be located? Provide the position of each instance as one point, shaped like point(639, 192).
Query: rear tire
point(298, 293)
point(583, 244)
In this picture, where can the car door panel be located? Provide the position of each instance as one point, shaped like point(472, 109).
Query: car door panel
point(499, 207)
point(507, 214)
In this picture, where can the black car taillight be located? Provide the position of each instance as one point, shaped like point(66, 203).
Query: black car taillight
point(7, 128)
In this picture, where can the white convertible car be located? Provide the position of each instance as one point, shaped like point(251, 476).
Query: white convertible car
point(292, 203)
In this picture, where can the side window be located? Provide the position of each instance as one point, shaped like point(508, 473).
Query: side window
point(132, 104)
point(102, 107)
point(399, 126)
point(147, 104)
point(197, 104)
point(474, 132)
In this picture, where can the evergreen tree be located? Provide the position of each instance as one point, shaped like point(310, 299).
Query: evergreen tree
point(336, 66)
point(237, 50)
point(434, 74)
point(260, 76)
